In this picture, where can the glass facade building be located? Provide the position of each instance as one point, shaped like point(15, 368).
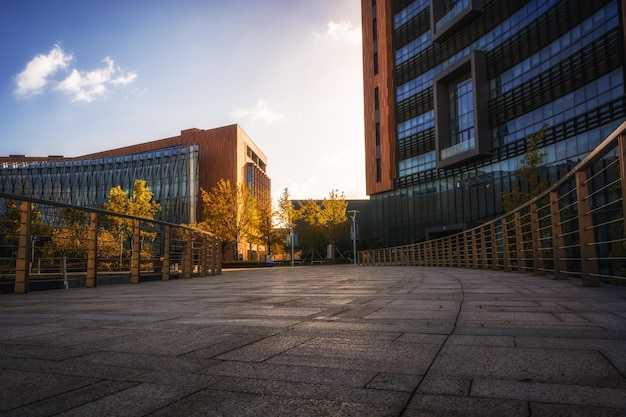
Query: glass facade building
point(171, 174)
point(454, 88)
point(175, 170)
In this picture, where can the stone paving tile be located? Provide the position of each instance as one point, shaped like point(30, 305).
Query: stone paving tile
point(336, 393)
point(377, 326)
point(549, 393)
point(394, 382)
point(11, 331)
point(68, 400)
point(264, 349)
point(526, 364)
point(212, 403)
point(69, 368)
point(431, 339)
point(147, 362)
point(138, 400)
point(423, 405)
point(566, 410)
point(352, 354)
point(70, 337)
point(39, 352)
point(292, 373)
point(17, 387)
point(177, 378)
point(473, 340)
point(445, 386)
point(224, 343)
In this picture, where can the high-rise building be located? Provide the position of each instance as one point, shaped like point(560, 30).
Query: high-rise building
point(453, 88)
point(174, 170)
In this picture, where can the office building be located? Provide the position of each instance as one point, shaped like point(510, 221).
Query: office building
point(174, 168)
point(452, 89)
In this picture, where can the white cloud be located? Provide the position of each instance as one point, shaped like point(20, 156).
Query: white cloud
point(84, 86)
point(32, 80)
point(89, 86)
point(344, 30)
point(262, 111)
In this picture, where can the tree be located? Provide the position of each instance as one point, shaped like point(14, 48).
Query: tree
point(286, 212)
point(10, 220)
point(285, 218)
point(140, 204)
point(528, 174)
point(325, 222)
point(70, 238)
point(228, 213)
point(262, 221)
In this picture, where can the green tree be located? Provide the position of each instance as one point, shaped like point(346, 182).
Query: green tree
point(528, 174)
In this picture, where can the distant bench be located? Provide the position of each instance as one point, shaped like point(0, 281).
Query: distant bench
point(317, 261)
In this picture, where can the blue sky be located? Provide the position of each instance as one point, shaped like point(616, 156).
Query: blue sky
point(83, 76)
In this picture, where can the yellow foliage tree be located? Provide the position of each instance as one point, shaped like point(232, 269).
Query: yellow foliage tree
point(228, 212)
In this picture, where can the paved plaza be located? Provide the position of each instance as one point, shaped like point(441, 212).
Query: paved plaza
point(318, 341)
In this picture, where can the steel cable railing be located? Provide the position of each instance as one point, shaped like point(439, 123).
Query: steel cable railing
point(45, 245)
point(576, 228)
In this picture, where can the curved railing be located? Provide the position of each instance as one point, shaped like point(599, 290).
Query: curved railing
point(576, 228)
point(46, 245)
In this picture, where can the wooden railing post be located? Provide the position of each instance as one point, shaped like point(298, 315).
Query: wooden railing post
point(538, 266)
point(203, 255)
point(188, 254)
point(92, 251)
point(22, 262)
point(519, 241)
point(506, 249)
point(558, 253)
point(622, 161)
point(483, 247)
point(217, 255)
point(588, 263)
point(495, 259)
point(466, 250)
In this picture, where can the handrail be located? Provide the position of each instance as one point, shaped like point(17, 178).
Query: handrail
point(40, 238)
point(569, 228)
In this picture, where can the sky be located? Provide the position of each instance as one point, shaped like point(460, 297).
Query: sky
point(82, 76)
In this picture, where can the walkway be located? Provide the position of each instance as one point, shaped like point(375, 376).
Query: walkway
point(318, 341)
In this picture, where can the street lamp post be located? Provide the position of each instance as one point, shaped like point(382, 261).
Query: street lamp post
point(353, 233)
